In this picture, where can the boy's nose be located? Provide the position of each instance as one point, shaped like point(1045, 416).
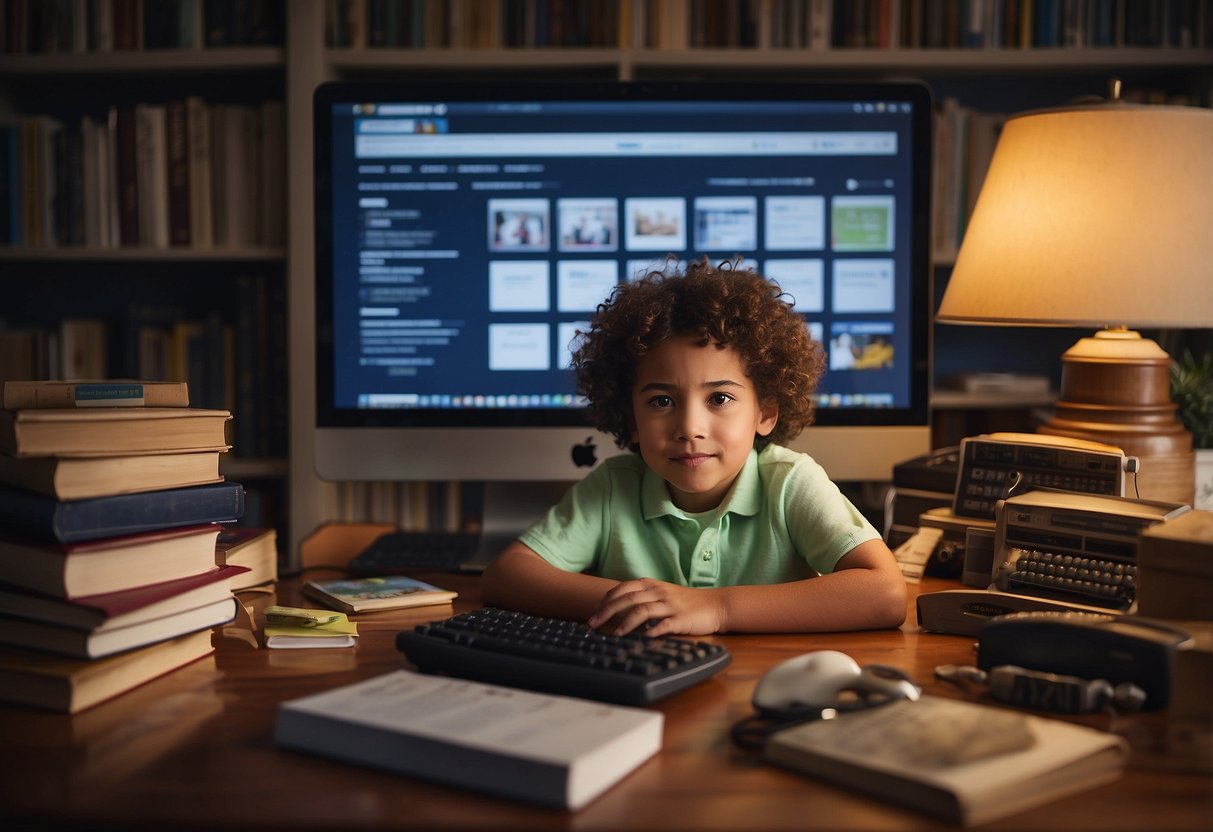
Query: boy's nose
point(690, 426)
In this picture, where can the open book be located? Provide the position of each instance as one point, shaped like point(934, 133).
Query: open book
point(957, 760)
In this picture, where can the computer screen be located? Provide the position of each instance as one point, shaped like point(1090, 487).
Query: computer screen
point(466, 231)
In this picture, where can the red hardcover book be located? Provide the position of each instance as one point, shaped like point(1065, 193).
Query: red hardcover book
point(111, 564)
point(121, 609)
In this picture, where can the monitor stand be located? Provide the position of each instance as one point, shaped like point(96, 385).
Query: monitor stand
point(509, 508)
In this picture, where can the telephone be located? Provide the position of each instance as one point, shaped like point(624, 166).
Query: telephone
point(1114, 649)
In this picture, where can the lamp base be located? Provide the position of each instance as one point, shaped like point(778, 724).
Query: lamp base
point(1115, 389)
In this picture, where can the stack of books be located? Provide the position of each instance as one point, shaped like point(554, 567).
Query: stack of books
point(110, 508)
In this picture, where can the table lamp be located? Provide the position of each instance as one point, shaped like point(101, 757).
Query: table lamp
point(1100, 215)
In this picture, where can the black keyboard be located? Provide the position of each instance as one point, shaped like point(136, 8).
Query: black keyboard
point(556, 656)
point(401, 552)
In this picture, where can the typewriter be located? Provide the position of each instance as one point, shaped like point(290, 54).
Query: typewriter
point(1053, 550)
point(1070, 547)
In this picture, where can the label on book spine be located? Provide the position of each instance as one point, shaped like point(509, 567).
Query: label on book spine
point(108, 395)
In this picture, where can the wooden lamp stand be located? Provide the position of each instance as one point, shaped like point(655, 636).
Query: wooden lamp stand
point(1115, 389)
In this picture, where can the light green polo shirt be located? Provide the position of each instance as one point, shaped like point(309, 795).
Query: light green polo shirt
point(782, 520)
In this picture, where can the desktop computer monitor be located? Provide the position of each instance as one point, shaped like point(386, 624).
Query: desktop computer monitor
point(466, 230)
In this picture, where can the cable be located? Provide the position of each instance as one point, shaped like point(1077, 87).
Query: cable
point(876, 685)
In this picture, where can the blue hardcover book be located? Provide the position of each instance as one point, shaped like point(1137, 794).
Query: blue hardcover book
point(42, 518)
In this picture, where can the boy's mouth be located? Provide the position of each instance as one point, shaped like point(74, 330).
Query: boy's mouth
point(691, 460)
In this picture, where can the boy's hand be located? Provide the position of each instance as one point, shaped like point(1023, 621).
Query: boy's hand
point(673, 609)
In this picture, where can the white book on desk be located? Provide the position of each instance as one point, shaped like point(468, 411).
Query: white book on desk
point(552, 750)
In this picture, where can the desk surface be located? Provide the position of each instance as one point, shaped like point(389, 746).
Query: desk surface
point(195, 748)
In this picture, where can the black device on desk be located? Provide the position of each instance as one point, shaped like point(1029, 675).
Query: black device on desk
point(398, 553)
point(556, 656)
point(1116, 649)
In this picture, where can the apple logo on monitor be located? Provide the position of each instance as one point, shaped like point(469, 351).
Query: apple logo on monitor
point(584, 453)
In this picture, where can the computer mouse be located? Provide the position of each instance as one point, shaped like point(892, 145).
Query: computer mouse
point(811, 680)
point(818, 680)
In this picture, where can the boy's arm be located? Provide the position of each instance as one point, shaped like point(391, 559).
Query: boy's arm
point(519, 579)
point(866, 590)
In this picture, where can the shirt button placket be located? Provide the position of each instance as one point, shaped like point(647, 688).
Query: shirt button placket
point(706, 566)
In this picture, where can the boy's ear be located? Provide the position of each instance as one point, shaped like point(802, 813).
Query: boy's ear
point(768, 417)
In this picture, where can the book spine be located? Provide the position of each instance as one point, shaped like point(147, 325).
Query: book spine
point(25, 395)
point(126, 24)
point(177, 146)
point(152, 159)
point(198, 141)
point(127, 181)
point(41, 518)
point(83, 348)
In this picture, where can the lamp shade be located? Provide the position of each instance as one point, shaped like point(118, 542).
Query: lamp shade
point(1093, 216)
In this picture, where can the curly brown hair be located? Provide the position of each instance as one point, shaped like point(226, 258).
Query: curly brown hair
point(723, 305)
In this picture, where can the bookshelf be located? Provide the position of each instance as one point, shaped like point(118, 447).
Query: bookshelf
point(993, 65)
point(158, 306)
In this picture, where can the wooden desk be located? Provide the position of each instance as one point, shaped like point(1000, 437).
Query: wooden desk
point(195, 749)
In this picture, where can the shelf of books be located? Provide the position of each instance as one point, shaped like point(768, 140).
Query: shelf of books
point(122, 546)
point(177, 174)
point(131, 27)
point(666, 27)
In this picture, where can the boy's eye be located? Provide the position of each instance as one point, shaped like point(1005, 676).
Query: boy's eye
point(719, 399)
point(661, 402)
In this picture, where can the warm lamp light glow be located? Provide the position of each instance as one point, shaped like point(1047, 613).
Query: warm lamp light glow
point(1100, 216)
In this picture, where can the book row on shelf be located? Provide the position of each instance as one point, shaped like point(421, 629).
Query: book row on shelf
point(964, 145)
point(85, 26)
point(227, 361)
point(183, 173)
point(760, 24)
point(31, 27)
point(224, 186)
point(120, 544)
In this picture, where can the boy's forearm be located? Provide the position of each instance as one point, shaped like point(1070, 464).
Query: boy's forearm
point(521, 580)
point(849, 599)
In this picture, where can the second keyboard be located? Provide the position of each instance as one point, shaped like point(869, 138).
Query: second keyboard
point(404, 552)
point(557, 656)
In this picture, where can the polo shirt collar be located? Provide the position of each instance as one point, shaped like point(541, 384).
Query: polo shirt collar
point(744, 498)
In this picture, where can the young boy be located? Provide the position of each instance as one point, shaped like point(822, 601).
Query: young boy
point(713, 526)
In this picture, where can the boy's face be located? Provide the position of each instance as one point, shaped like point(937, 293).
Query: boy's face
point(696, 414)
